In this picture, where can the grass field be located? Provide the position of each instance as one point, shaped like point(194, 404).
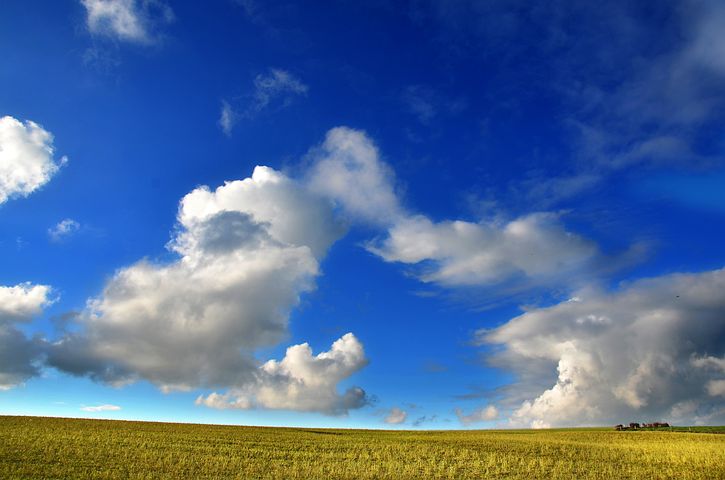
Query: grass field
point(33, 447)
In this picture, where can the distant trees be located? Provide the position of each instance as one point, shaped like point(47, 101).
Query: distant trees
point(637, 426)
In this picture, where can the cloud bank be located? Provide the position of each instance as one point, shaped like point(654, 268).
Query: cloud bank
point(649, 350)
point(249, 249)
point(26, 158)
point(653, 350)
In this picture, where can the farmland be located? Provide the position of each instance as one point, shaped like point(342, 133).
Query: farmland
point(35, 447)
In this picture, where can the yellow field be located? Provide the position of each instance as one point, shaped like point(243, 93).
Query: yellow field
point(33, 447)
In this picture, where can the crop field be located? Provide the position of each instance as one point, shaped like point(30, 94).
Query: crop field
point(34, 447)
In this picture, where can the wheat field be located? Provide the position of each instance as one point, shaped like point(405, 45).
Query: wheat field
point(36, 447)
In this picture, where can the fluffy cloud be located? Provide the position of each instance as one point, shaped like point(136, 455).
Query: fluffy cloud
point(301, 381)
point(347, 169)
point(280, 207)
point(247, 251)
point(18, 354)
point(26, 158)
point(23, 301)
point(396, 416)
point(101, 408)
point(127, 20)
point(483, 414)
point(63, 229)
point(535, 247)
point(653, 350)
point(532, 249)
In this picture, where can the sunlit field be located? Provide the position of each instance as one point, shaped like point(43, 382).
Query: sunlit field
point(34, 447)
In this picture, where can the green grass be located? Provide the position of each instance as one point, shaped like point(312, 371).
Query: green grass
point(34, 447)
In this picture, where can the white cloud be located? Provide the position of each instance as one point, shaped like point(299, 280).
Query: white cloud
point(101, 408)
point(535, 247)
point(22, 301)
point(396, 416)
point(274, 90)
point(301, 381)
point(247, 250)
point(716, 388)
point(348, 169)
point(63, 229)
point(26, 158)
point(636, 353)
point(276, 85)
point(483, 414)
point(531, 250)
point(287, 211)
point(18, 354)
point(127, 20)
point(227, 118)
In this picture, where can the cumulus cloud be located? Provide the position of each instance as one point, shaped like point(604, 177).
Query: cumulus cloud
point(301, 381)
point(347, 168)
point(26, 158)
point(396, 416)
point(22, 302)
point(19, 354)
point(127, 20)
point(101, 408)
point(247, 251)
point(63, 229)
point(652, 350)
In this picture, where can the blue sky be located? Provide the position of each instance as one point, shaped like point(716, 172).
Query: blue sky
point(421, 215)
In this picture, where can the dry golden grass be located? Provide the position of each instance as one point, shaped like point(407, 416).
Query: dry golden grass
point(34, 447)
